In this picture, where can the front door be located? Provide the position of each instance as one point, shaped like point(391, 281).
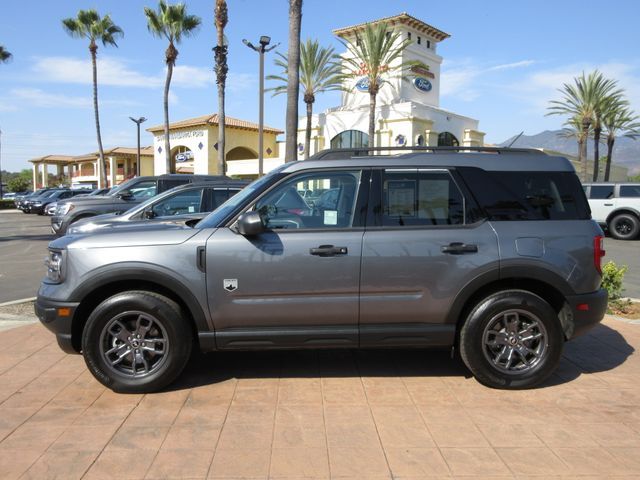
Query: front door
point(297, 283)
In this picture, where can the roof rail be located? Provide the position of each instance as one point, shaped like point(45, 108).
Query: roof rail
point(336, 153)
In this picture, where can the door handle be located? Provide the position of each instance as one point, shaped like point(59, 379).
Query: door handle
point(457, 248)
point(328, 251)
point(608, 204)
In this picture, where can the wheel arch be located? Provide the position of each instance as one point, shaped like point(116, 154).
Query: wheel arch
point(106, 284)
point(621, 210)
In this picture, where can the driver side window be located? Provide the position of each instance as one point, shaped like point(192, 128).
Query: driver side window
point(311, 201)
point(189, 201)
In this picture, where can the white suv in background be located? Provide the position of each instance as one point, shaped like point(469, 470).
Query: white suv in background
point(616, 206)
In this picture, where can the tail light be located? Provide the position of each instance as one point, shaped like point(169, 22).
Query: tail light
point(598, 252)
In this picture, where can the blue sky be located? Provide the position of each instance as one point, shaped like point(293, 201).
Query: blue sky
point(502, 64)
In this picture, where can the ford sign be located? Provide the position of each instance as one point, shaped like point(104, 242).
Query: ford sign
point(422, 84)
point(362, 84)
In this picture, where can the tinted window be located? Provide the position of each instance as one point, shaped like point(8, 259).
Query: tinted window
point(284, 207)
point(180, 203)
point(630, 190)
point(419, 197)
point(528, 195)
point(599, 192)
point(143, 190)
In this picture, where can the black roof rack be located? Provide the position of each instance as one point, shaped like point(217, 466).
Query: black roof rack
point(337, 153)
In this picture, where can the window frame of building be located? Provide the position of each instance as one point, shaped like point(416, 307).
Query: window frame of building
point(448, 139)
point(352, 144)
point(419, 40)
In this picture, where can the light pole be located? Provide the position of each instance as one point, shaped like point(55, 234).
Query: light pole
point(262, 49)
point(138, 121)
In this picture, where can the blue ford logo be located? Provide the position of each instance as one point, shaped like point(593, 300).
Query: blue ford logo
point(422, 84)
point(363, 84)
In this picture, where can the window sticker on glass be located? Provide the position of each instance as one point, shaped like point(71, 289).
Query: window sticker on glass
point(191, 209)
point(402, 198)
point(330, 217)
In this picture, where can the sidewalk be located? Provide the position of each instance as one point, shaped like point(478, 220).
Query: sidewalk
point(322, 414)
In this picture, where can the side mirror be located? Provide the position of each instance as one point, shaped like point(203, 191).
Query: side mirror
point(148, 214)
point(125, 195)
point(250, 224)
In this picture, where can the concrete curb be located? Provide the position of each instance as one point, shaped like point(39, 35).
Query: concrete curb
point(16, 302)
point(10, 210)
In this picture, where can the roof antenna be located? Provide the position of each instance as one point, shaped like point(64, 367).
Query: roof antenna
point(515, 139)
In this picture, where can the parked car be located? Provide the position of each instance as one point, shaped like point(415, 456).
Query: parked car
point(34, 204)
point(616, 207)
point(20, 201)
point(491, 252)
point(8, 195)
point(39, 204)
point(120, 199)
point(186, 202)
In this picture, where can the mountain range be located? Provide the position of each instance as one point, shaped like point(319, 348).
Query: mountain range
point(626, 151)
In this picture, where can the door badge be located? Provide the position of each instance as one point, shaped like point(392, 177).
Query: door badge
point(230, 284)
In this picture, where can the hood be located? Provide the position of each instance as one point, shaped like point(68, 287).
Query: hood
point(106, 223)
point(95, 200)
point(128, 237)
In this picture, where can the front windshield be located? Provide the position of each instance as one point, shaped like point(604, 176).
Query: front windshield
point(123, 186)
point(219, 214)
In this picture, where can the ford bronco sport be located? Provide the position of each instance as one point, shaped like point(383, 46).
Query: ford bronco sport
point(489, 251)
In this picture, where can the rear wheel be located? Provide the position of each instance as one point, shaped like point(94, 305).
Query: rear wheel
point(625, 226)
point(136, 342)
point(512, 339)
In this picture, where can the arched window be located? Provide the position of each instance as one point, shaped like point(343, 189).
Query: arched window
point(447, 139)
point(350, 139)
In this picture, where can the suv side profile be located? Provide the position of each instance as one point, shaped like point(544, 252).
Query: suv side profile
point(616, 207)
point(489, 251)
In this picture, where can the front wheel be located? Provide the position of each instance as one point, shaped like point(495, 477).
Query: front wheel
point(512, 339)
point(136, 342)
point(624, 226)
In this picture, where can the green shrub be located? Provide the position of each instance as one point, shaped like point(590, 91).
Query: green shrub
point(6, 204)
point(612, 278)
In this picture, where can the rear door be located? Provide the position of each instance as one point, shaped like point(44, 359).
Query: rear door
point(602, 202)
point(421, 247)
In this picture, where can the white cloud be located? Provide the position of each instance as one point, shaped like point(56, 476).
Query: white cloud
point(508, 66)
point(39, 98)
point(118, 73)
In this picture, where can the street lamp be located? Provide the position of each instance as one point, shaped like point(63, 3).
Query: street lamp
point(138, 121)
point(262, 49)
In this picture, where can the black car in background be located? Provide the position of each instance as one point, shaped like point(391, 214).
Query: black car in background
point(39, 204)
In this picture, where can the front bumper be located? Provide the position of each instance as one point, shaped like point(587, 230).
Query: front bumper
point(58, 317)
point(588, 310)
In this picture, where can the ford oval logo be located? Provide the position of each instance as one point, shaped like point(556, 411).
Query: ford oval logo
point(422, 84)
point(363, 84)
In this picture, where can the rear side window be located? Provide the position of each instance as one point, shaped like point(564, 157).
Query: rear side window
point(630, 190)
point(420, 197)
point(601, 192)
point(528, 195)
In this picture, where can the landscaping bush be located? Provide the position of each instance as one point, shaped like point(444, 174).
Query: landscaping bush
point(6, 204)
point(612, 278)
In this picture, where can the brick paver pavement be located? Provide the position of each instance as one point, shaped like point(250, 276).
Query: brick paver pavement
point(322, 414)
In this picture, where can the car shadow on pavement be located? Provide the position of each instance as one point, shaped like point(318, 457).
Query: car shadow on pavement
point(13, 238)
point(600, 350)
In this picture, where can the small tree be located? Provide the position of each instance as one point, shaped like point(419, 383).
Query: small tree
point(618, 121)
point(320, 71)
point(375, 52)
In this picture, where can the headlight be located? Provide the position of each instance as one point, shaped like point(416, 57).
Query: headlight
point(64, 208)
point(54, 263)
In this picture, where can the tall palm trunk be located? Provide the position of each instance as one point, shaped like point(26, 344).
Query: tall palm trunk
point(582, 144)
point(93, 48)
point(596, 152)
point(372, 117)
point(171, 55)
point(308, 99)
point(607, 171)
point(221, 68)
point(293, 80)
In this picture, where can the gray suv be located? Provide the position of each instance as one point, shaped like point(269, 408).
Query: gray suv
point(492, 252)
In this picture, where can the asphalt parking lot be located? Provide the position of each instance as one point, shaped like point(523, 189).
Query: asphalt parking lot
point(24, 239)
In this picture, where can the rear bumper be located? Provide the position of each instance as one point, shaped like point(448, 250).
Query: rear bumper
point(588, 310)
point(59, 322)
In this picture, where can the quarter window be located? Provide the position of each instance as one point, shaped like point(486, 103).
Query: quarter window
point(630, 190)
point(329, 201)
point(418, 197)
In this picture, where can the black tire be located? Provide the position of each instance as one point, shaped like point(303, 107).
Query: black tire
point(624, 226)
point(483, 345)
point(161, 317)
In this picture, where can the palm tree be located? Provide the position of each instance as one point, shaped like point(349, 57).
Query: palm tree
point(606, 98)
point(89, 25)
point(618, 121)
point(375, 51)
point(293, 80)
point(5, 55)
point(581, 100)
point(320, 71)
point(172, 23)
point(221, 20)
